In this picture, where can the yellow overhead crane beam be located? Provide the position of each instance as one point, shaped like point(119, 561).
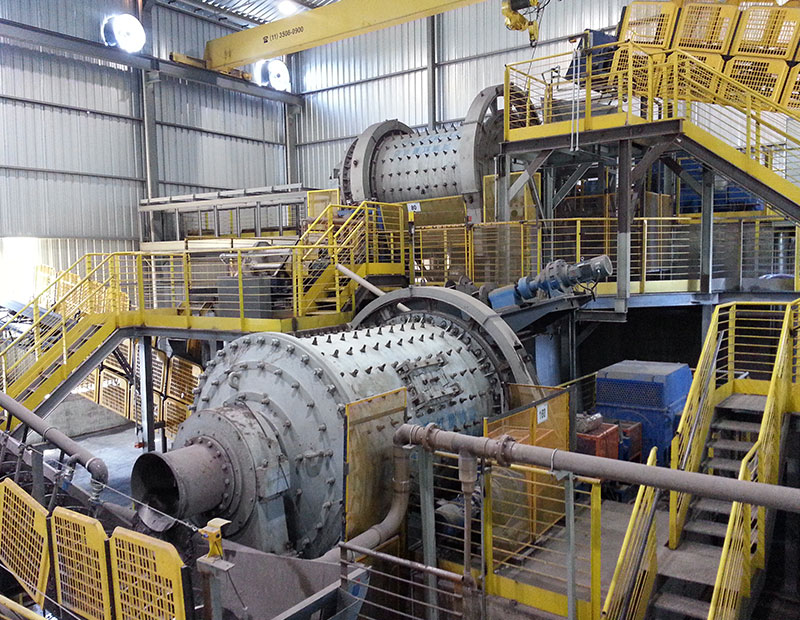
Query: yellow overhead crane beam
point(333, 22)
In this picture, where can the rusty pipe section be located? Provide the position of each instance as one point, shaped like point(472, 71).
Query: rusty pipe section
point(93, 464)
point(507, 451)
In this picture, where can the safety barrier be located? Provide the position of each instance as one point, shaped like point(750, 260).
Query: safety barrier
point(745, 547)
point(624, 84)
point(637, 564)
point(253, 289)
point(665, 251)
point(738, 357)
point(146, 578)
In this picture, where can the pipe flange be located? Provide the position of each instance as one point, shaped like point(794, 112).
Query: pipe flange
point(430, 429)
point(504, 446)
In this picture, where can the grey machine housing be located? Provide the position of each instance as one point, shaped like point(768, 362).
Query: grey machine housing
point(390, 162)
point(265, 447)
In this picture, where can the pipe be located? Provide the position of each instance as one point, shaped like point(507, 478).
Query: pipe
point(506, 451)
point(383, 531)
point(93, 464)
point(468, 476)
point(368, 285)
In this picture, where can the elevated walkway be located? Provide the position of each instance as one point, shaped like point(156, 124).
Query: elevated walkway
point(664, 101)
point(83, 314)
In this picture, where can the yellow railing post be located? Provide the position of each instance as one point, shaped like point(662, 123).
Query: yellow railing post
point(186, 277)
point(674, 528)
point(509, 104)
point(797, 258)
point(37, 330)
point(596, 559)
point(241, 286)
point(747, 536)
point(140, 283)
point(578, 241)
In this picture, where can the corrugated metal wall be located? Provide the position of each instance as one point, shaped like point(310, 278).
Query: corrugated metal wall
point(71, 154)
point(352, 84)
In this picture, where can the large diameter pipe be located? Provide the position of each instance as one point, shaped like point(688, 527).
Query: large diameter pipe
point(93, 464)
point(182, 483)
point(506, 450)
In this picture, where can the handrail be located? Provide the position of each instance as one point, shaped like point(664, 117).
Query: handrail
point(634, 573)
point(761, 464)
point(39, 295)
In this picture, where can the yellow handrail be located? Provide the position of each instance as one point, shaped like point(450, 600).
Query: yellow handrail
point(738, 563)
point(635, 572)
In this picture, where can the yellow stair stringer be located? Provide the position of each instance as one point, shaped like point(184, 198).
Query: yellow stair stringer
point(743, 162)
point(106, 327)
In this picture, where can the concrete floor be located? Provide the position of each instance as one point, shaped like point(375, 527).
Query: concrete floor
point(545, 566)
point(117, 448)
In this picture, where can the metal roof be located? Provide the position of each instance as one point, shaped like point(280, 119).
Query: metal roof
point(246, 12)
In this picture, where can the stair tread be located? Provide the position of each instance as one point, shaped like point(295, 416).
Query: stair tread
point(731, 444)
point(722, 464)
point(683, 605)
point(753, 403)
point(717, 506)
point(707, 528)
point(686, 564)
point(736, 425)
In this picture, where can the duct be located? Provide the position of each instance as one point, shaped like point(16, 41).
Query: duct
point(507, 451)
point(94, 465)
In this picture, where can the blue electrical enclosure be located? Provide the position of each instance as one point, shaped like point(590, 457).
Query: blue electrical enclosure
point(652, 393)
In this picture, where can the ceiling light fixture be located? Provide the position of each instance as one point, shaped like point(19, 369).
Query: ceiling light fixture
point(273, 73)
point(287, 7)
point(123, 31)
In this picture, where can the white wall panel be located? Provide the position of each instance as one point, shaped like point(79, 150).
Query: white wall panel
point(78, 18)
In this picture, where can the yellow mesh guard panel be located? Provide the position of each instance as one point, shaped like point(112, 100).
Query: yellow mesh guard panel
point(763, 75)
point(146, 574)
point(370, 425)
point(79, 553)
point(174, 412)
point(649, 23)
point(23, 539)
point(791, 94)
point(88, 387)
point(114, 392)
point(159, 370)
point(768, 31)
point(706, 27)
point(182, 379)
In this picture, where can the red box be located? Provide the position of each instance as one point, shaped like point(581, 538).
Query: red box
point(602, 441)
point(633, 432)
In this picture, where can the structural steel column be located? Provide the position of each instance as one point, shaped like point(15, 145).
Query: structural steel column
point(707, 231)
point(431, 70)
point(624, 218)
point(145, 354)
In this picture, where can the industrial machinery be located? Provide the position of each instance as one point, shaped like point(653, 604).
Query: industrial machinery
point(524, 15)
point(264, 449)
point(390, 162)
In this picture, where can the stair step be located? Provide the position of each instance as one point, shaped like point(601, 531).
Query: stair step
point(749, 403)
point(736, 426)
point(731, 445)
point(689, 564)
point(716, 506)
point(720, 464)
point(707, 528)
point(682, 605)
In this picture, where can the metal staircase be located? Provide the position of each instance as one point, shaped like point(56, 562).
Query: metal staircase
point(80, 313)
point(732, 426)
